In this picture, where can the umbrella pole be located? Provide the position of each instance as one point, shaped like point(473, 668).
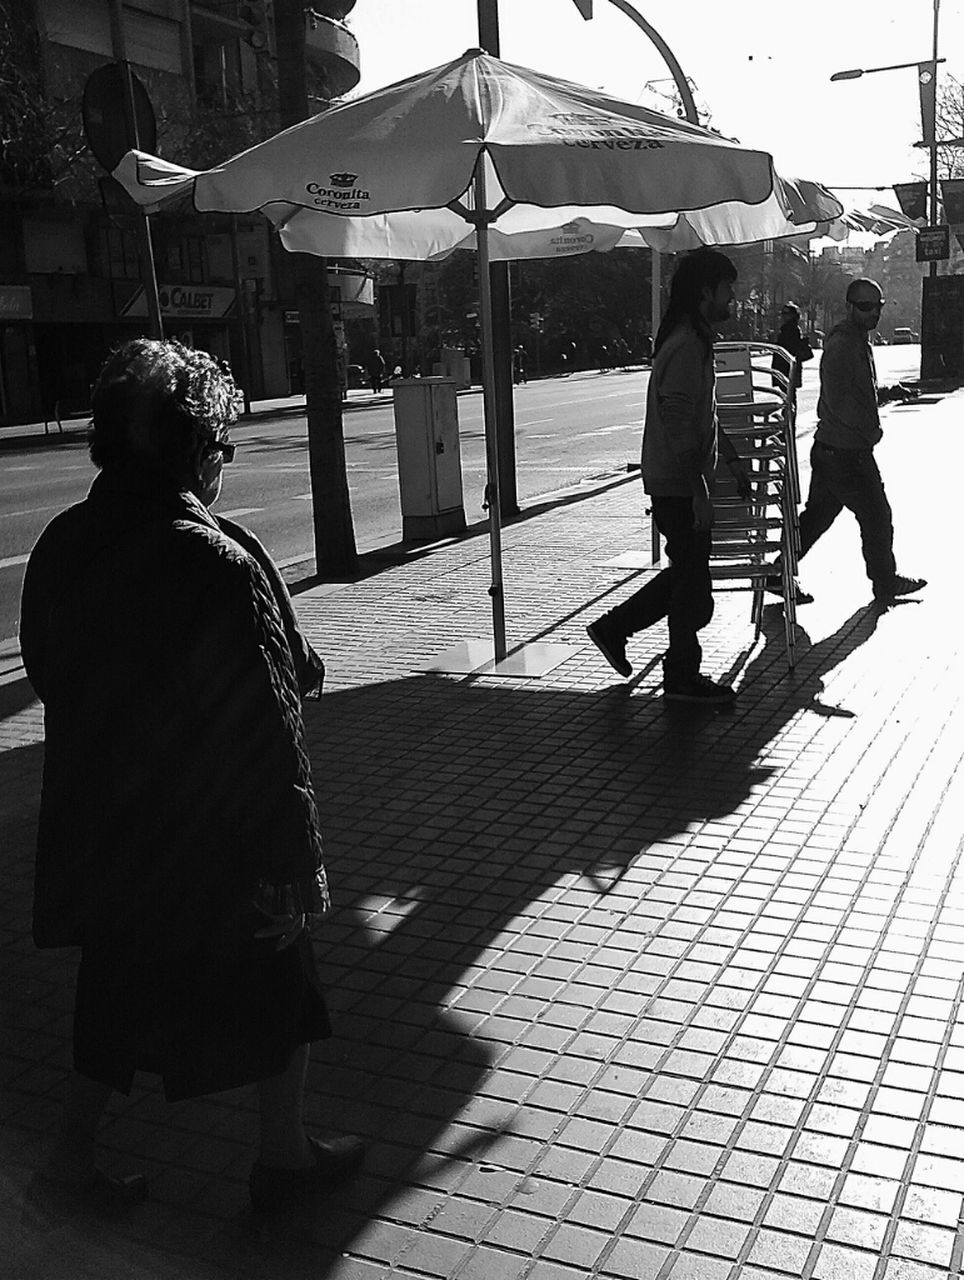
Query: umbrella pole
point(491, 410)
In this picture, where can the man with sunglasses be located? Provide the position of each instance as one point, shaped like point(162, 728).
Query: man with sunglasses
point(844, 472)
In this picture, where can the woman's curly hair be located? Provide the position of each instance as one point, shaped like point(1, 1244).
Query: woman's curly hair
point(160, 403)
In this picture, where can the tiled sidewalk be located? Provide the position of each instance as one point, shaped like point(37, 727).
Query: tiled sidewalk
point(622, 989)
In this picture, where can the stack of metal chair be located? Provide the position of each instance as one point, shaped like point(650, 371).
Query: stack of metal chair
point(757, 411)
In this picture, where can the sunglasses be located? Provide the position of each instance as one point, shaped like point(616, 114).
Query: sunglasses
point(869, 306)
point(225, 448)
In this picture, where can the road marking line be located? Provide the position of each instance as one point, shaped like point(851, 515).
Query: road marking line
point(12, 560)
point(240, 511)
point(607, 431)
point(29, 511)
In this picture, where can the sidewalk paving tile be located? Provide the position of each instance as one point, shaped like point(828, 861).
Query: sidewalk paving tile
point(621, 990)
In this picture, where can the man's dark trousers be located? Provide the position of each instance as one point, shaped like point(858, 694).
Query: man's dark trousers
point(850, 478)
point(682, 593)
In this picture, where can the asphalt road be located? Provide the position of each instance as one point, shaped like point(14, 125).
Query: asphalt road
point(569, 432)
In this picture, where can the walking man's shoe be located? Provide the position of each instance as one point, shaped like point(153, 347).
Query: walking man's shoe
point(611, 646)
point(774, 584)
point(898, 586)
point(698, 688)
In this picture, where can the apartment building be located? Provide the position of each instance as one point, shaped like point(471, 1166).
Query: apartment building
point(70, 273)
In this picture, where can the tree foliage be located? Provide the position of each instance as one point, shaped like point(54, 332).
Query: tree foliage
point(950, 125)
point(42, 144)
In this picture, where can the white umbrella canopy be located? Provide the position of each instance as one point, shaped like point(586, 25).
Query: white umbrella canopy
point(795, 207)
point(382, 170)
point(519, 156)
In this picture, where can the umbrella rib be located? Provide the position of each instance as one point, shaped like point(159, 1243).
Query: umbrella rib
point(483, 218)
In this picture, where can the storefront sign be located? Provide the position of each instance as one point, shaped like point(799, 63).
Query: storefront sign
point(185, 302)
point(16, 302)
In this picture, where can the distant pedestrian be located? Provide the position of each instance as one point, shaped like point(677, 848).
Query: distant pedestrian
point(792, 340)
point(178, 841)
point(52, 394)
point(519, 365)
point(844, 472)
point(680, 442)
point(376, 370)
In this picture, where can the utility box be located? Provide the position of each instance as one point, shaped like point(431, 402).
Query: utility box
point(429, 460)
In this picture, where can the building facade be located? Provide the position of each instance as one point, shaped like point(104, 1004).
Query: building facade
point(70, 268)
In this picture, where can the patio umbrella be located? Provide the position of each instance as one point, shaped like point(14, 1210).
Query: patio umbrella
point(399, 173)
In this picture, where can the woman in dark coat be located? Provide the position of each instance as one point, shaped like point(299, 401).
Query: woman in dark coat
point(791, 339)
point(178, 841)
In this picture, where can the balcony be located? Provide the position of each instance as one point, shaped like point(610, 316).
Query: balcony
point(333, 50)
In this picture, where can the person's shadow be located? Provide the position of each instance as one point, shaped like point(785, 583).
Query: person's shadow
point(481, 841)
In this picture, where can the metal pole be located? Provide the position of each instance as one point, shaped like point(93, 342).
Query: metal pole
point(488, 12)
point(145, 244)
point(490, 406)
point(241, 302)
point(933, 140)
point(489, 26)
point(655, 295)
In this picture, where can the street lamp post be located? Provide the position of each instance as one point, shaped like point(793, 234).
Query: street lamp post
point(924, 69)
point(927, 74)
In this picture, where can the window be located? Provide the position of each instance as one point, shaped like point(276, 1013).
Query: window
point(121, 254)
point(194, 257)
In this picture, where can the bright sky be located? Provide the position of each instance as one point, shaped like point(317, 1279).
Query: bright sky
point(762, 67)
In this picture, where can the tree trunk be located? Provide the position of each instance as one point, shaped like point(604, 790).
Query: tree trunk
point(335, 550)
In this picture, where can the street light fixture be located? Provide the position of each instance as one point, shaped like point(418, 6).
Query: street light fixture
point(857, 72)
point(927, 75)
point(927, 80)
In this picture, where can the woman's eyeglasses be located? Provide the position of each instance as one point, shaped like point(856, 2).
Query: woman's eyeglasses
point(225, 448)
point(869, 306)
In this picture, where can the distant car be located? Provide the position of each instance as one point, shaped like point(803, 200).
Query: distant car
point(904, 336)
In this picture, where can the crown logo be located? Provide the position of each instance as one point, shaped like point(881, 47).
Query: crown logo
point(342, 179)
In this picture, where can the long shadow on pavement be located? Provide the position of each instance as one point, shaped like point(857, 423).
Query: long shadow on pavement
point(483, 841)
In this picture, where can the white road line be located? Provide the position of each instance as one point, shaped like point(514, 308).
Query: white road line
point(12, 560)
point(607, 431)
point(29, 511)
point(239, 511)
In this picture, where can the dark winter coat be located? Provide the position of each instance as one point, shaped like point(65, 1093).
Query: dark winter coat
point(176, 783)
point(791, 339)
